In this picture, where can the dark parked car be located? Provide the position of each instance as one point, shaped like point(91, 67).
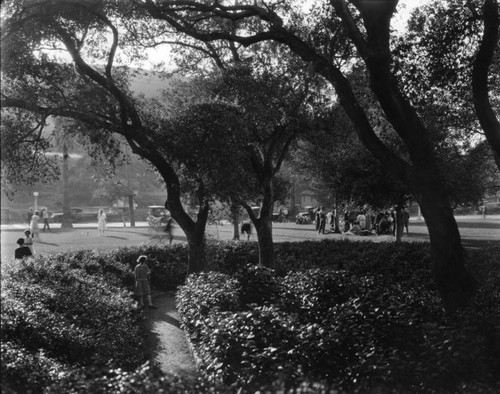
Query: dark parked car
point(75, 216)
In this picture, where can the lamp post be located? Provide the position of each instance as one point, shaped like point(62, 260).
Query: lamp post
point(35, 194)
point(131, 207)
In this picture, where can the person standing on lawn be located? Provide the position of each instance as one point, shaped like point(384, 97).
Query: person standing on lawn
point(28, 241)
point(34, 225)
point(29, 214)
point(322, 220)
point(142, 288)
point(168, 230)
point(101, 223)
point(406, 219)
point(45, 217)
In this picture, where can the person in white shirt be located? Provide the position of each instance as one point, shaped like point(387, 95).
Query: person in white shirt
point(101, 223)
point(361, 219)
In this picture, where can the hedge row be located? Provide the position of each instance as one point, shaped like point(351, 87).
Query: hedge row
point(376, 326)
point(68, 314)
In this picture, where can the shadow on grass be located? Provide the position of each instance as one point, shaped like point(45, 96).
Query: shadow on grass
point(47, 243)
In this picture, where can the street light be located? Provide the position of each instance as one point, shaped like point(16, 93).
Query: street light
point(35, 194)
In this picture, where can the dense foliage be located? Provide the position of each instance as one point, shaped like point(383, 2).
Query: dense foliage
point(375, 326)
point(59, 318)
point(336, 315)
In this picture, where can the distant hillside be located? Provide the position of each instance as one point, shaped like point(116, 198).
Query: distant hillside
point(145, 82)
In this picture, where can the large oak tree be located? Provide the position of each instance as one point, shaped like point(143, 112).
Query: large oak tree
point(367, 24)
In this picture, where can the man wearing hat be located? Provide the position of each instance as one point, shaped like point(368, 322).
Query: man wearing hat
point(142, 288)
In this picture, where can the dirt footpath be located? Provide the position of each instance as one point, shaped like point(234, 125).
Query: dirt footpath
point(166, 341)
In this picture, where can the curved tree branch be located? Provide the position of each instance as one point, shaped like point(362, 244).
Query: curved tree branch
point(482, 62)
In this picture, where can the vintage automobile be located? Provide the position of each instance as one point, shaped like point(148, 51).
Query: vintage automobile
point(303, 218)
point(75, 216)
point(158, 215)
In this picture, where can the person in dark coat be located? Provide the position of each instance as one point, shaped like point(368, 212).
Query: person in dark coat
point(22, 251)
point(316, 218)
point(246, 228)
point(169, 230)
point(322, 220)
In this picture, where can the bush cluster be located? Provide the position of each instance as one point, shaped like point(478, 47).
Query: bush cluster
point(58, 317)
point(333, 316)
point(375, 326)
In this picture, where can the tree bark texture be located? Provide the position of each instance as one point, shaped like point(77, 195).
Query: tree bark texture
point(194, 230)
point(264, 228)
point(455, 285)
point(236, 222)
point(196, 252)
point(264, 224)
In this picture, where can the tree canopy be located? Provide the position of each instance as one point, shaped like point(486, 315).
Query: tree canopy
point(331, 39)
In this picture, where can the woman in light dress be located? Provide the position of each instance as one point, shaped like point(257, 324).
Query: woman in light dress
point(28, 241)
point(35, 220)
point(101, 222)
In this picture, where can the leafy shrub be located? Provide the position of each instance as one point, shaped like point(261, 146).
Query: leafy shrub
point(250, 348)
point(376, 326)
point(202, 294)
point(144, 379)
point(56, 313)
point(313, 292)
point(229, 257)
point(258, 285)
point(24, 370)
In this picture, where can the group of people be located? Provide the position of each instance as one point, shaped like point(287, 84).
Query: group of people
point(33, 218)
point(360, 222)
point(25, 246)
point(384, 222)
point(320, 219)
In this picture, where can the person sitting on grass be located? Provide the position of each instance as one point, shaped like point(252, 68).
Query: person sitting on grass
point(142, 289)
point(22, 251)
point(356, 230)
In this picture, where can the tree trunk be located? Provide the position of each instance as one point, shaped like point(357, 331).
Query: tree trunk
point(131, 209)
point(336, 220)
point(264, 224)
point(292, 210)
point(236, 222)
point(195, 231)
point(455, 285)
point(195, 235)
point(264, 229)
point(196, 252)
point(67, 222)
point(399, 223)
